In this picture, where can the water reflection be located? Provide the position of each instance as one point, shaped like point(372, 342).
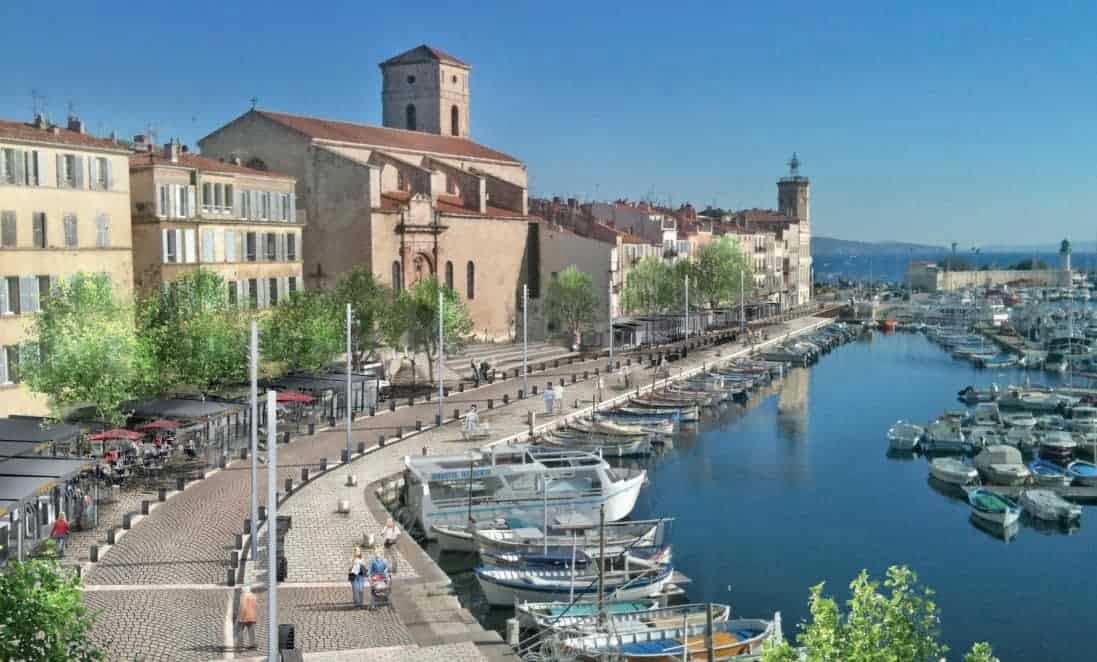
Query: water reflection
point(1004, 533)
point(792, 405)
point(1044, 527)
point(947, 490)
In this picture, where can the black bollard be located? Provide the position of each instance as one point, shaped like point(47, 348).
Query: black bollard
point(289, 486)
point(323, 464)
point(180, 483)
point(437, 419)
point(312, 429)
point(112, 535)
point(418, 425)
point(162, 494)
point(344, 456)
point(491, 403)
point(392, 405)
point(145, 505)
point(456, 414)
point(361, 447)
point(506, 399)
point(247, 525)
point(93, 554)
point(127, 521)
point(230, 576)
point(381, 440)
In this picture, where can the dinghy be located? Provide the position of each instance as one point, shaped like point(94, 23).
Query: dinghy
point(504, 586)
point(619, 535)
point(952, 471)
point(993, 507)
point(568, 615)
point(585, 617)
point(737, 639)
point(1083, 473)
point(1049, 474)
point(1047, 505)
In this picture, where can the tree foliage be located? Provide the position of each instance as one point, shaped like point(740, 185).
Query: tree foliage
point(649, 287)
point(570, 301)
point(304, 332)
point(199, 340)
point(900, 623)
point(85, 350)
point(981, 652)
point(1029, 264)
point(413, 319)
point(42, 615)
point(718, 269)
point(370, 302)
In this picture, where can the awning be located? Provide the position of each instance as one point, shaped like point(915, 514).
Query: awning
point(158, 424)
point(32, 428)
point(60, 469)
point(116, 434)
point(20, 448)
point(294, 397)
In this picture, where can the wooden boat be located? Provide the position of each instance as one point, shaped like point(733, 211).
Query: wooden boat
point(505, 586)
point(1083, 473)
point(619, 535)
point(993, 507)
point(623, 620)
point(1047, 505)
point(609, 428)
point(952, 471)
point(560, 615)
point(456, 539)
point(736, 639)
point(605, 446)
point(1049, 474)
point(1001, 465)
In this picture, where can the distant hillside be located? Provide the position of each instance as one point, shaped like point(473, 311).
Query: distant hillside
point(831, 246)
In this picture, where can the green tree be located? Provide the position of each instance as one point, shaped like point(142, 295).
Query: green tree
point(718, 269)
point(649, 287)
point(370, 302)
point(414, 320)
point(981, 652)
point(304, 332)
point(570, 301)
point(42, 615)
point(900, 623)
point(199, 339)
point(85, 350)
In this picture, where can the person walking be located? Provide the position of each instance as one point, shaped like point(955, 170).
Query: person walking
point(601, 386)
point(626, 374)
point(475, 372)
point(380, 574)
point(357, 577)
point(558, 396)
point(246, 616)
point(60, 533)
point(389, 535)
point(549, 397)
point(472, 422)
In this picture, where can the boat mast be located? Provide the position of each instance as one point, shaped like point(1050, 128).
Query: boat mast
point(602, 558)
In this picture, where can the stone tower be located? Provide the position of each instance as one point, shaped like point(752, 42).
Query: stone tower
point(427, 90)
point(794, 200)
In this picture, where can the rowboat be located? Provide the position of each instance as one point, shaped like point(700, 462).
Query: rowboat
point(737, 639)
point(1047, 505)
point(1083, 473)
point(619, 535)
point(952, 471)
point(993, 507)
point(1049, 474)
point(506, 586)
point(631, 617)
point(605, 446)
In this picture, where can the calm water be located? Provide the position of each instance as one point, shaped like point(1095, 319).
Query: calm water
point(797, 489)
point(892, 268)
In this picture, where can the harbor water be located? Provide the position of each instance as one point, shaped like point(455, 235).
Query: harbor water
point(796, 487)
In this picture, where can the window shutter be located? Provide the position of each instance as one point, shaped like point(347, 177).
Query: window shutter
point(110, 174)
point(93, 172)
point(292, 207)
point(179, 254)
point(79, 174)
point(283, 285)
point(60, 170)
point(3, 166)
point(159, 198)
point(70, 230)
point(4, 365)
point(192, 199)
point(4, 305)
point(164, 243)
point(102, 230)
point(20, 167)
point(255, 205)
point(39, 168)
point(237, 203)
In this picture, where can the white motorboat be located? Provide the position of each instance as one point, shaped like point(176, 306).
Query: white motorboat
point(1047, 505)
point(952, 471)
point(1083, 420)
point(1022, 419)
point(945, 435)
point(516, 481)
point(454, 538)
point(987, 413)
point(1035, 400)
point(905, 436)
point(1002, 465)
point(736, 639)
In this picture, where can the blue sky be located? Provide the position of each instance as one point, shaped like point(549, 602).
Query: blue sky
point(933, 121)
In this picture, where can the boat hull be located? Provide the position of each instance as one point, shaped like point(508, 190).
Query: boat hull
point(452, 539)
point(507, 593)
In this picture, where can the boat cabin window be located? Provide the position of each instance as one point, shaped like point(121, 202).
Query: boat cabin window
point(460, 488)
point(523, 482)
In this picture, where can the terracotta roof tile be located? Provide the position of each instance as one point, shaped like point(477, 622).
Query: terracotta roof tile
point(379, 136)
point(447, 204)
point(424, 53)
point(28, 132)
point(198, 162)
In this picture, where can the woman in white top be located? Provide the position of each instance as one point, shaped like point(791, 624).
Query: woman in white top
point(389, 535)
point(357, 576)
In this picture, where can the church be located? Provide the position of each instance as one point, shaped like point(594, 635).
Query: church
point(412, 198)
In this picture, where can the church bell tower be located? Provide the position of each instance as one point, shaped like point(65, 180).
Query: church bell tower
point(426, 90)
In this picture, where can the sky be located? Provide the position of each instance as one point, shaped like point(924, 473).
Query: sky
point(931, 122)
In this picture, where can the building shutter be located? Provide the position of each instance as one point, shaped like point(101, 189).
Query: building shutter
point(179, 254)
point(110, 173)
point(93, 172)
point(70, 230)
point(292, 207)
point(20, 167)
point(4, 365)
point(189, 239)
point(164, 244)
point(192, 199)
point(237, 204)
point(34, 174)
point(60, 170)
point(4, 305)
point(79, 171)
point(28, 294)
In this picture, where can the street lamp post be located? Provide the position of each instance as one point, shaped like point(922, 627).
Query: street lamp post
point(441, 353)
point(272, 528)
point(349, 404)
point(254, 440)
point(525, 340)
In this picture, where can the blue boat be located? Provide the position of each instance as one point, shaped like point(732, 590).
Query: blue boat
point(1049, 474)
point(1083, 473)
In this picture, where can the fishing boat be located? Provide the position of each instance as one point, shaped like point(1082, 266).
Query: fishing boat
point(1057, 446)
point(601, 445)
point(1022, 419)
point(1035, 400)
point(1047, 505)
point(1083, 473)
point(987, 413)
point(505, 586)
point(1002, 465)
point(905, 436)
point(529, 538)
point(993, 507)
point(1084, 419)
point(952, 471)
point(736, 639)
point(972, 395)
point(1049, 474)
point(516, 481)
point(945, 435)
point(589, 619)
point(457, 539)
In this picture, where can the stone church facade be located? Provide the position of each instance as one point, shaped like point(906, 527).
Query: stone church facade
point(409, 199)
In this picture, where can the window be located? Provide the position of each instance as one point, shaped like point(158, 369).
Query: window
point(171, 246)
point(409, 117)
point(285, 207)
point(470, 280)
point(100, 173)
point(291, 284)
point(9, 166)
point(219, 195)
point(250, 247)
point(10, 304)
point(264, 212)
point(401, 182)
point(455, 120)
point(291, 247)
point(102, 231)
point(230, 246)
point(69, 168)
point(234, 295)
point(207, 246)
point(271, 247)
point(451, 185)
point(163, 202)
point(272, 291)
point(7, 229)
point(38, 229)
point(245, 204)
point(45, 283)
point(207, 196)
point(227, 209)
point(253, 293)
point(397, 276)
point(70, 230)
point(449, 274)
point(11, 359)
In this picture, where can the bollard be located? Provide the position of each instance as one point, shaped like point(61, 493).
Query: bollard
point(556, 363)
point(461, 387)
point(323, 464)
point(361, 447)
point(285, 437)
point(574, 378)
point(548, 386)
point(628, 362)
point(586, 375)
point(93, 554)
point(145, 505)
point(162, 494)
point(222, 462)
point(312, 428)
point(571, 360)
point(428, 396)
point(426, 451)
point(399, 431)
point(289, 486)
point(352, 480)
point(521, 394)
point(180, 483)
point(506, 399)
point(411, 400)
point(437, 420)
point(541, 367)
point(353, 415)
point(372, 410)
point(238, 540)
point(456, 414)
point(234, 559)
point(561, 381)
point(112, 535)
point(230, 576)
point(344, 456)
point(247, 525)
point(331, 421)
point(262, 513)
point(596, 372)
point(418, 425)
point(392, 405)
point(381, 440)
point(243, 453)
point(533, 389)
point(491, 403)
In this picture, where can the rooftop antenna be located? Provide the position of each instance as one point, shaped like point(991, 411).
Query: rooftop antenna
point(254, 101)
point(71, 108)
point(151, 132)
point(36, 100)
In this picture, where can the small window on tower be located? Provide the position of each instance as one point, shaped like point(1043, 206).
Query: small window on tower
point(411, 80)
point(454, 79)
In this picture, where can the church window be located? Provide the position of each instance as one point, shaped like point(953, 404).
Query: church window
point(470, 281)
point(449, 274)
point(454, 79)
point(397, 276)
point(455, 120)
point(409, 114)
point(411, 80)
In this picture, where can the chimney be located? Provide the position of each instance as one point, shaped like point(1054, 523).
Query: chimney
point(40, 121)
point(171, 151)
point(75, 124)
point(235, 159)
point(573, 203)
point(114, 137)
point(185, 149)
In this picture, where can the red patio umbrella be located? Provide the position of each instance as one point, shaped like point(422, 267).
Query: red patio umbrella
point(158, 424)
point(294, 396)
point(116, 434)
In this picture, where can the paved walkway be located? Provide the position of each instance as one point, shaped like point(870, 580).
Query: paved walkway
point(161, 590)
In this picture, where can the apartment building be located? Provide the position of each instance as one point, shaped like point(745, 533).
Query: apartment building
point(192, 212)
point(64, 208)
